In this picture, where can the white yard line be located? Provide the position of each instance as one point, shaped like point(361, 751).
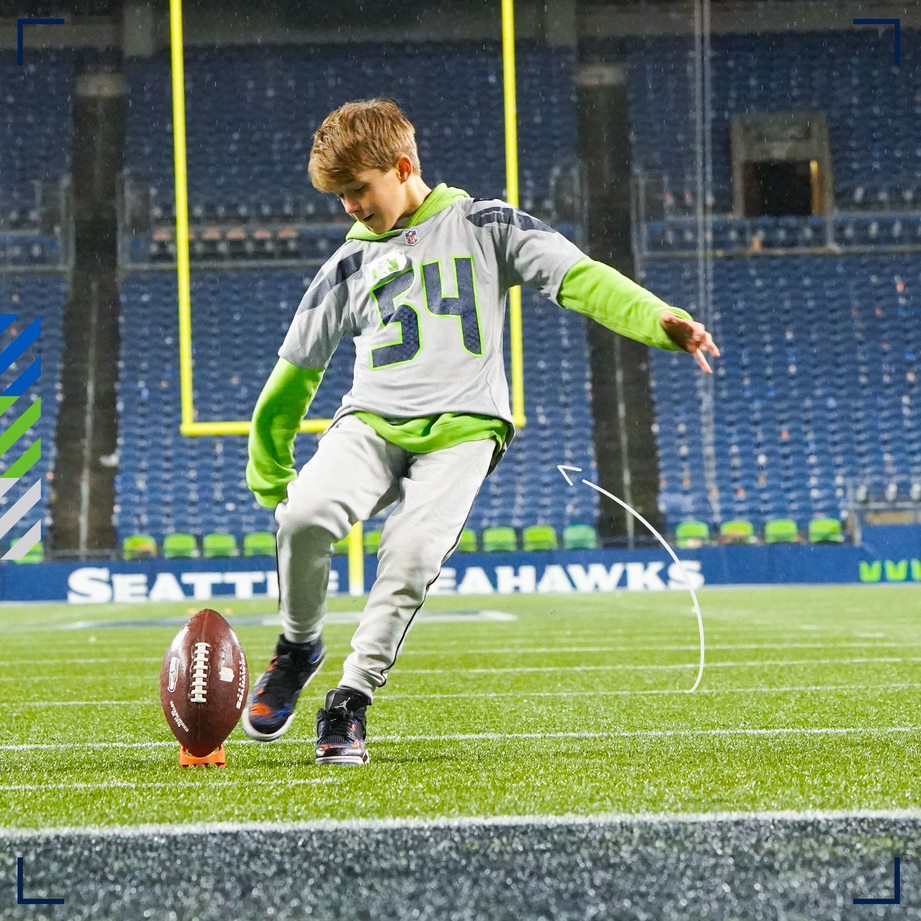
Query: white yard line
point(761, 663)
point(487, 695)
point(510, 821)
point(627, 648)
point(73, 658)
point(231, 781)
point(94, 746)
point(452, 649)
point(509, 736)
point(798, 689)
point(658, 734)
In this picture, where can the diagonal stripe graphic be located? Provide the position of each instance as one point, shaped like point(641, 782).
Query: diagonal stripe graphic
point(20, 427)
point(25, 463)
point(25, 543)
point(19, 346)
point(25, 380)
point(7, 320)
point(21, 508)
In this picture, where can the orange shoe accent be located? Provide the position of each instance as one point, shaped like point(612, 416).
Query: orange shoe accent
point(217, 758)
point(260, 710)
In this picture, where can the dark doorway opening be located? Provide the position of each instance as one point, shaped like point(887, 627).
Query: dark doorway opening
point(781, 187)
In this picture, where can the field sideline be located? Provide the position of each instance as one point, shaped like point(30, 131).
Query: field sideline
point(577, 706)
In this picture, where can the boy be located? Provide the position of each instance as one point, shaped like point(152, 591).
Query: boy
point(421, 283)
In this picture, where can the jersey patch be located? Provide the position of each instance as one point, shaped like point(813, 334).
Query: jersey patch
point(375, 272)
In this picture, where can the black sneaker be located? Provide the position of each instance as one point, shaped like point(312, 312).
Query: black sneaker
point(341, 728)
point(271, 707)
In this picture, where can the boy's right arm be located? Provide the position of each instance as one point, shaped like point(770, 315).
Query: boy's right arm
point(277, 417)
point(314, 334)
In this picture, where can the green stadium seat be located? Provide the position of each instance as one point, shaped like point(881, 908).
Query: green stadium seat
point(580, 537)
point(781, 531)
point(689, 535)
point(468, 542)
point(35, 555)
point(499, 540)
point(539, 537)
point(259, 543)
point(180, 546)
point(219, 546)
point(737, 531)
point(372, 542)
point(139, 547)
point(825, 531)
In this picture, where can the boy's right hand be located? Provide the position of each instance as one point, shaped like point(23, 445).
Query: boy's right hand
point(692, 337)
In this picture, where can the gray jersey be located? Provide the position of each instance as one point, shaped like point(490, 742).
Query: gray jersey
point(427, 307)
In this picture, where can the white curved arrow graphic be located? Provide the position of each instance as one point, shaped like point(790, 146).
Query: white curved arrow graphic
point(563, 468)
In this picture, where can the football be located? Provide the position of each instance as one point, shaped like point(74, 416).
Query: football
point(204, 683)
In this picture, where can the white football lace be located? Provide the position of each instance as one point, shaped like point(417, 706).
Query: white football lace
point(199, 688)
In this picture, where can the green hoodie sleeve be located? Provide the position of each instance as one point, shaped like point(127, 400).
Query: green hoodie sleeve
point(613, 300)
point(277, 417)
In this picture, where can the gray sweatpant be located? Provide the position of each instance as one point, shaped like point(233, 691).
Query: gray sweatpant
point(353, 476)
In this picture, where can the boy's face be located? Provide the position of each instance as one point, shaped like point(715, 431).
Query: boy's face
point(376, 197)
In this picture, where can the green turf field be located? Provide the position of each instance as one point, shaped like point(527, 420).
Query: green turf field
point(577, 705)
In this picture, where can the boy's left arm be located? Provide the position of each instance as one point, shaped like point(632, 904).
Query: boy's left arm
point(603, 294)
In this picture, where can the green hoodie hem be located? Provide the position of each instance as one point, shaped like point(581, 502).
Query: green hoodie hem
point(435, 433)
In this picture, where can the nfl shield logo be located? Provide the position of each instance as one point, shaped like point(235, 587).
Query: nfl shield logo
point(411, 237)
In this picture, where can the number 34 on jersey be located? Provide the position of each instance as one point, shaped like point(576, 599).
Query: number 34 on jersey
point(448, 295)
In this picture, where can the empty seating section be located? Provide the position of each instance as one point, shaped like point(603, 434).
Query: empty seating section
point(35, 152)
point(35, 131)
point(731, 234)
point(534, 538)
point(30, 298)
point(872, 107)
point(170, 483)
point(819, 384)
point(252, 111)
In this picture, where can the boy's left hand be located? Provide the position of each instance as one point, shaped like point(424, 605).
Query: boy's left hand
point(692, 337)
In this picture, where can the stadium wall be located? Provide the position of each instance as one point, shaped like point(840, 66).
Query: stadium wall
point(887, 555)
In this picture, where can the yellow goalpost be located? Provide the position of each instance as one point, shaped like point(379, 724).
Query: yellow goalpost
point(190, 426)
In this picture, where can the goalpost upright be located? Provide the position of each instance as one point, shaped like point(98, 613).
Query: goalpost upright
point(189, 425)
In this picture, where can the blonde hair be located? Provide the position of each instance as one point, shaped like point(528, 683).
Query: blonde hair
point(363, 134)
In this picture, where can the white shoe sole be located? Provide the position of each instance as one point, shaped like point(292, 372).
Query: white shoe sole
point(260, 736)
point(348, 760)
